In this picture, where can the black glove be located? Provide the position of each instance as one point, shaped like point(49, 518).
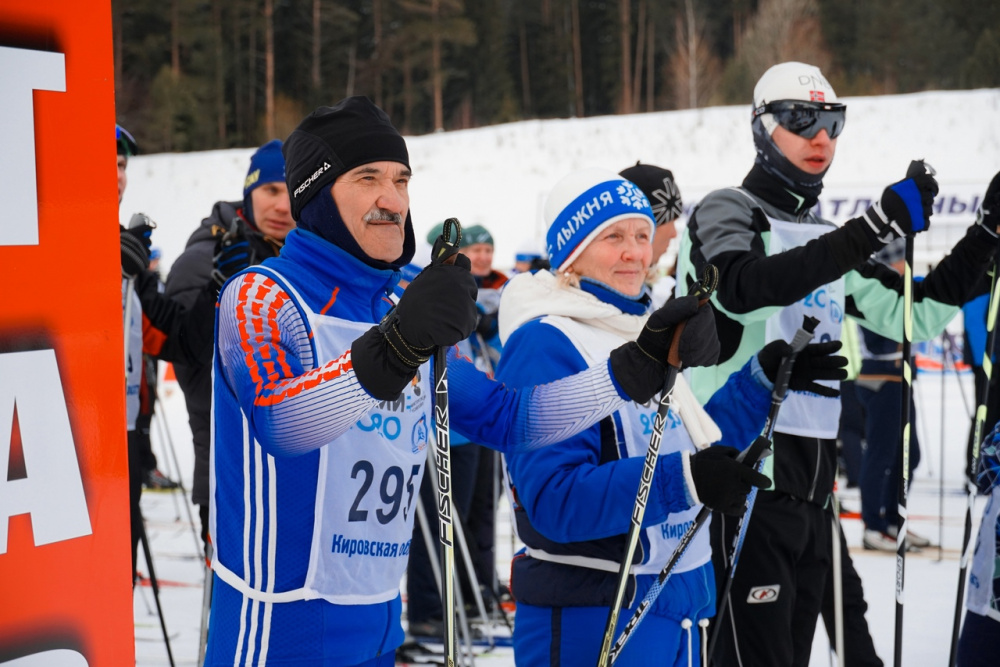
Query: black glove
point(135, 253)
point(640, 367)
point(817, 361)
point(905, 207)
point(232, 253)
point(721, 482)
point(437, 309)
point(487, 325)
point(988, 215)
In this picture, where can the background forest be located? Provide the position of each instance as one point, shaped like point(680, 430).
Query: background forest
point(204, 74)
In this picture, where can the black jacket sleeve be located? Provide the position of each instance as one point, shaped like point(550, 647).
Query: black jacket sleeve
point(958, 278)
point(751, 280)
point(173, 331)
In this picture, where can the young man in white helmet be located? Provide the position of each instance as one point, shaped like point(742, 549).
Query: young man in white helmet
point(777, 263)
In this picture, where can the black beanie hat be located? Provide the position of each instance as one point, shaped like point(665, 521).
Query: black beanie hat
point(334, 140)
point(660, 189)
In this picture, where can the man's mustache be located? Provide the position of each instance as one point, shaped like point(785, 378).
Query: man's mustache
point(382, 215)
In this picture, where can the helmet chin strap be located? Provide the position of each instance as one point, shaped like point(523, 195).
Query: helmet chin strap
point(774, 162)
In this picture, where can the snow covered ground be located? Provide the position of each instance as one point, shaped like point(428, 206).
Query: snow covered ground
point(499, 176)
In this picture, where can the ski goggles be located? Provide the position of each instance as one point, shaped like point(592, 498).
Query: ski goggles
point(806, 119)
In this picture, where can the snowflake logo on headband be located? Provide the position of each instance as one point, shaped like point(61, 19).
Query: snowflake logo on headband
point(631, 195)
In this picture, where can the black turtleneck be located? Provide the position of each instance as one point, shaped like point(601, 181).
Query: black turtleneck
point(772, 190)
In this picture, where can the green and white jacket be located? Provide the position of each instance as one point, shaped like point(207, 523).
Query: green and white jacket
point(779, 262)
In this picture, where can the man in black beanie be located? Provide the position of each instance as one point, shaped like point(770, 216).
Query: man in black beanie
point(323, 413)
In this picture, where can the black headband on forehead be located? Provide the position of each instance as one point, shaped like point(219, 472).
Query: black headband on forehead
point(334, 140)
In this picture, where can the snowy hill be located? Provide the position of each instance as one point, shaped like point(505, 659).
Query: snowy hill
point(499, 176)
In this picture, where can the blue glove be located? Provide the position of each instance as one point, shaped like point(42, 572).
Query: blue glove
point(905, 207)
point(232, 253)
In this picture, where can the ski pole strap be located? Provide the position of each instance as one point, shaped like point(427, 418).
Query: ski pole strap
point(445, 249)
point(703, 290)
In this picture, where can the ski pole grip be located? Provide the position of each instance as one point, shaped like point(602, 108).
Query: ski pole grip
point(804, 334)
point(799, 342)
point(703, 290)
point(919, 168)
point(759, 449)
point(444, 250)
point(140, 219)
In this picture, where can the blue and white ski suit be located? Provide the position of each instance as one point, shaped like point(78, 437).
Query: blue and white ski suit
point(573, 501)
point(313, 480)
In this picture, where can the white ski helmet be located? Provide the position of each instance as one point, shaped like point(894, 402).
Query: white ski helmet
point(791, 81)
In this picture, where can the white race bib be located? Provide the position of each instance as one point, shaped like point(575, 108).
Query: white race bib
point(802, 413)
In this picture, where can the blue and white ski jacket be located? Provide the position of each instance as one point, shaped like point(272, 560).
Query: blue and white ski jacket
point(573, 501)
point(313, 480)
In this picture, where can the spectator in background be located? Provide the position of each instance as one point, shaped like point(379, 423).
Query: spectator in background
point(880, 391)
point(235, 235)
point(475, 485)
point(134, 260)
point(529, 257)
point(664, 196)
point(852, 415)
point(155, 327)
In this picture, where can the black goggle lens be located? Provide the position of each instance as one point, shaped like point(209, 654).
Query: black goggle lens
point(806, 119)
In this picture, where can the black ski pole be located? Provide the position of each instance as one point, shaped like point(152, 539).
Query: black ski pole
point(751, 456)
point(155, 585)
point(444, 252)
point(916, 168)
point(704, 289)
point(977, 437)
point(781, 380)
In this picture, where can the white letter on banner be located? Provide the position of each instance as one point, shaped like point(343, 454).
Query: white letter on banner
point(52, 490)
point(58, 657)
point(21, 72)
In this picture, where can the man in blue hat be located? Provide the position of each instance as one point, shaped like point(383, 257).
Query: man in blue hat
point(233, 236)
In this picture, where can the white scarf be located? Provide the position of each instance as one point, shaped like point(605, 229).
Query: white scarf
point(528, 296)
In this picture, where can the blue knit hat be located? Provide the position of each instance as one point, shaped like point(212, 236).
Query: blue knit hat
point(267, 165)
point(584, 203)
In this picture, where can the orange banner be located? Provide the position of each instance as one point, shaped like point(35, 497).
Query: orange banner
point(65, 585)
